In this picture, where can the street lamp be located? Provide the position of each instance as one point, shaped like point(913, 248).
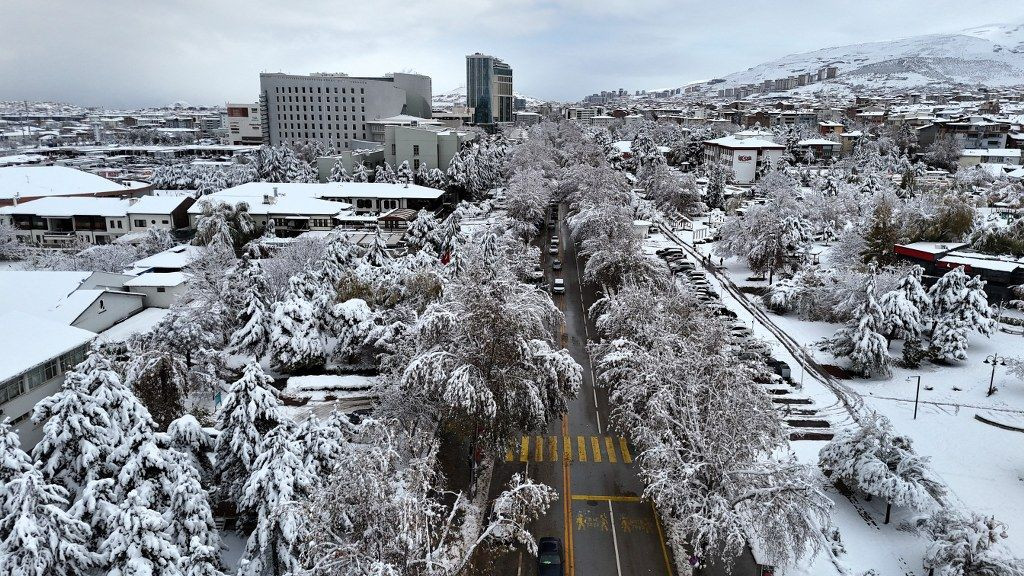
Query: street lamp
point(918, 395)
point(994, 360)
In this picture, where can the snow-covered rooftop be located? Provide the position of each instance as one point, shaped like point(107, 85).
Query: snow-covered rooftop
point(27, 341)
point(177, 257)
point(982, 261)
point(751, 142)
point(166, 279)
point(817, 142)
point(313, 198)
point(987, 152)
point(626, 147)
point(934, 247)
point(68, 206)
point(36, 292)
point(30, 181)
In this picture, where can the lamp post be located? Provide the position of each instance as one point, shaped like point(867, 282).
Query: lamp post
point(994, 360)
point(917, 396)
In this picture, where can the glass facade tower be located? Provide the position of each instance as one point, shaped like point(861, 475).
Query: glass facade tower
point(489, 89)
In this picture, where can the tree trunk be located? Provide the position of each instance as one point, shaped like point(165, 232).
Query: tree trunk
point(888, 511)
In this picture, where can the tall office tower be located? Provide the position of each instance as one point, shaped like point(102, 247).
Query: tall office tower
point(489, 89)
point(334, 108)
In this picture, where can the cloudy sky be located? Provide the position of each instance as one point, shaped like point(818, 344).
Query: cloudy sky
point(151, 52)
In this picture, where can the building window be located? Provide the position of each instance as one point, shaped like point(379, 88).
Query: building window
point(415, 149)
point(416, 164)
point(161, 289)
point(10, 389)
point(392, 149)
point(51, 369)
point(140, 223)
point(162, 222)
point(364, 203)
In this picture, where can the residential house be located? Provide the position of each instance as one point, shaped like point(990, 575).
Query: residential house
point(744, 156)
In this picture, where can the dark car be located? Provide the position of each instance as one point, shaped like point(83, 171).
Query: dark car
point(549, 557)
point(556, 264)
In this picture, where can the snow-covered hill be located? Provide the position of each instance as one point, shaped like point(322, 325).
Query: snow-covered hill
point(990, 55)
point(457, 97)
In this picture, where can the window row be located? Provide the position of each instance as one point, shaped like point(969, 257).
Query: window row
point(302, 90)
point(40, 375)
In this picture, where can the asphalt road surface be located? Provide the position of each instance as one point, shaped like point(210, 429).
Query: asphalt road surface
point(607, 530)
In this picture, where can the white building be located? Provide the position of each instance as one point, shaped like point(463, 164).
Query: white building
point(35, 353)
point(24, 183)
point(87, 300)
point(60, 220)
point(242, 123)
point(159, 289)
point(975, 156)
point(744, 156)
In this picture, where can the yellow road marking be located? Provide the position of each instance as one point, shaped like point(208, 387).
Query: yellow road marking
point(538, 453)
point(596, 447)
point(567, 504)
point(601, 498)
point(610, 447)
point(510, 455)
point(626, 456)
point(553, 447)
point(524, 450)
point(661, 540)
point(582, 443)
point(566, 449)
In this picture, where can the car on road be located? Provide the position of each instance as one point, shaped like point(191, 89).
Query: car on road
point(551, 225)
point(664, 251)
point(549, 557)
point(556, 264)
point(554, 239)
point(553, 248)
point(674, 257)
point(559, 286)
point(537, 273)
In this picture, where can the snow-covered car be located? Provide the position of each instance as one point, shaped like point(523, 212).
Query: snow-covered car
point(537, 273)
point(741, 332)
point(553, 249)
point(670, 250)
point(559, 286)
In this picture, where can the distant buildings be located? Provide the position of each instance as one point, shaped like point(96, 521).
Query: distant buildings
point(489, 89)
point(334, 109)
point(422, 146)
point(243, 124)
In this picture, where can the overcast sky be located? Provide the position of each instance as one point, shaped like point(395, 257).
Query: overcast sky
point(126, 53)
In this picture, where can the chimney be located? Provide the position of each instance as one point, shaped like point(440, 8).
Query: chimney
point(16, 196)
point(266, 198)
point(275, 191)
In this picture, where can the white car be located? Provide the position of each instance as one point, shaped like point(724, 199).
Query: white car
point(553, 249)
point(559, 286)
point(537, 273)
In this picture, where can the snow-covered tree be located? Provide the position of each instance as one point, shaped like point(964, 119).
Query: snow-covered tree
point(253, 318)
point(186, 436)
point(968, 545)
point(139, 542)
point(904, 309)
point(223, 225)
point(422, 231)
point(377, 254)
point(527, 199)
point(249, 411)
point(13, 460)
point(338, 172)
point(485, 354)
point(404, 174)
point(861, 340)
point(79, 432)
point(39, 537)
point(296, 342)
point(959, 306)
point(190, 522)
point(385, 174)
point(11, 248)
point(321, 443)
point(873, 459)
point(361, 174)
point(278, 480)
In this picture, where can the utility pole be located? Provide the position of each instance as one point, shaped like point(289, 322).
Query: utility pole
point(917, 396)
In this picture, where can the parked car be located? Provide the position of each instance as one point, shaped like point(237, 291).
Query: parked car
point(559, 286)
point(556, 264)
point(553, 249)
point(664, 251)
point(674, 257)
point(549, 557)
point(741, 332)
point(554, 239)
point(537, 273)
point(653, 229)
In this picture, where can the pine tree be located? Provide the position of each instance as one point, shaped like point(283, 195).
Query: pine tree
point(338, 172)
point(361, 174)
point(861, 340)
point(139, 542)
point(321, 443)
point(436, 179)
point(714, 195)
point(422, 231)
point(385, 174)
point(97, 507)
point(39, 537)
point(296, 342)
point(13, 460)
point(186, 436)
point(253, 317)
point(377, 255)
point(249, 411)
point(882, 235)
point(404, 174)
point(959, 306)
point(279, 478)
point(191, 524)
point(339, 259)
point(79, 432)
point(422, 176)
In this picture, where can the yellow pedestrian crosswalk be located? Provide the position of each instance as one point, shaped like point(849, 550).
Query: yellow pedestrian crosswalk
point(592, 449)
